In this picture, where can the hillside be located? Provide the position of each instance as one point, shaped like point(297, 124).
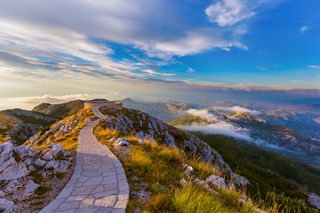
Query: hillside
point(60, 110)
point(268, 171)
point(163, 110)
point(19, 125)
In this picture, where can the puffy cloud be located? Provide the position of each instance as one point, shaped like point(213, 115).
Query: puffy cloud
point(220, 128)
point(236, 109)
point(229, 12)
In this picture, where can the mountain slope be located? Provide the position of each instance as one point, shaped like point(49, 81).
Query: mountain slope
point(19, 125)
point(60, 110)
point(163, 110)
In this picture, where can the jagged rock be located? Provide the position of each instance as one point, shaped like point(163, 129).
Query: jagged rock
point(24, 152)
point(183, 182)
point(61, 166)
point(13, 170)
point(66, 154)
point(5, 204)
point(6, 152)
point(12, 186)
point(50, 164)
point(121, 142)
point(47, 156)
point(56, 150)
point(140, 136)
point(31, 168)
point(169, 140)
point(188, 170)
point(28, 161)
point(240, 180)
point(30, 187)
point(217, 181)
point(39, 163)
point(314, 200)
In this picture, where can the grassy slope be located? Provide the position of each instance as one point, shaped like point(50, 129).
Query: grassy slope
point(267, 171)
point(157, 169)
point(60, 110)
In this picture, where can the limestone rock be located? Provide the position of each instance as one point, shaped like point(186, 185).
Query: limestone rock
point(6, 152)
point(188, 170)
point(14, 171)
point(217, 181)
point(39, 163)
point(183, 182)
point(56, 150)
point(240, 180)
point(47, 156)
point(5, 204)
point(314, 200)
point(30, 187)
point(169, 140)
point(121, 142)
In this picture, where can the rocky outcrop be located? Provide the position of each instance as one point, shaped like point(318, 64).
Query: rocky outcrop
point(144, 126)
point(17, 164)
point(314, 200)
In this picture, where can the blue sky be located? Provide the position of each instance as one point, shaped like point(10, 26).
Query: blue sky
point(80, 46)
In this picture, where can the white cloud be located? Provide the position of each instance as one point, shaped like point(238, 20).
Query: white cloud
point(315, 67)
point(203, 113)
point(152, 72)
point(304, 28)
point(229, 12)
point(220, 128)
point(236, 109)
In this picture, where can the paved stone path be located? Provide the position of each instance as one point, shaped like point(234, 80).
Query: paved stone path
point(98, 183)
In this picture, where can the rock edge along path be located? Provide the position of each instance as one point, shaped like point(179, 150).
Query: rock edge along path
point(98, 183)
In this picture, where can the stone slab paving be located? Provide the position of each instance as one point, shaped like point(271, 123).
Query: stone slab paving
point(98, 183)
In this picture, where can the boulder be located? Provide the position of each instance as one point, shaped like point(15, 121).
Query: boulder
point(217, 181)
point(60, 166)
point(31, 168)
point(28, 161)
point(5, 204)
point(188, 170)
point(121, 142)
point(240, 180)
point(47, 156)
point(56, 150)
point(183, 182)
point(2, 194)
point(29, 188)
point(39, 162)
point(24, 152)
point(14, 171)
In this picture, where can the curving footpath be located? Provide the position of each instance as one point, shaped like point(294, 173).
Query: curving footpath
point(98, 183)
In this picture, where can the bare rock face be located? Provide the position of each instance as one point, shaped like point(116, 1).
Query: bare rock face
point(12, 170)
point(5, 204)
point(30, 188)
point(314, 200)
point(47, 156)
point(6, 150)
point(217, 181)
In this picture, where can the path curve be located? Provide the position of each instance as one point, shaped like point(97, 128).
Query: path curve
point(98, 183)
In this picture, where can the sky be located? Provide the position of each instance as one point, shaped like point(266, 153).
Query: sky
point(156, 48)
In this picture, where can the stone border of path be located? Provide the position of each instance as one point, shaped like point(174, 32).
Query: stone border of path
point(98, 183)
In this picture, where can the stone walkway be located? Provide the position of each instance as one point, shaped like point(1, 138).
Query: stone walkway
point(98, 183)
